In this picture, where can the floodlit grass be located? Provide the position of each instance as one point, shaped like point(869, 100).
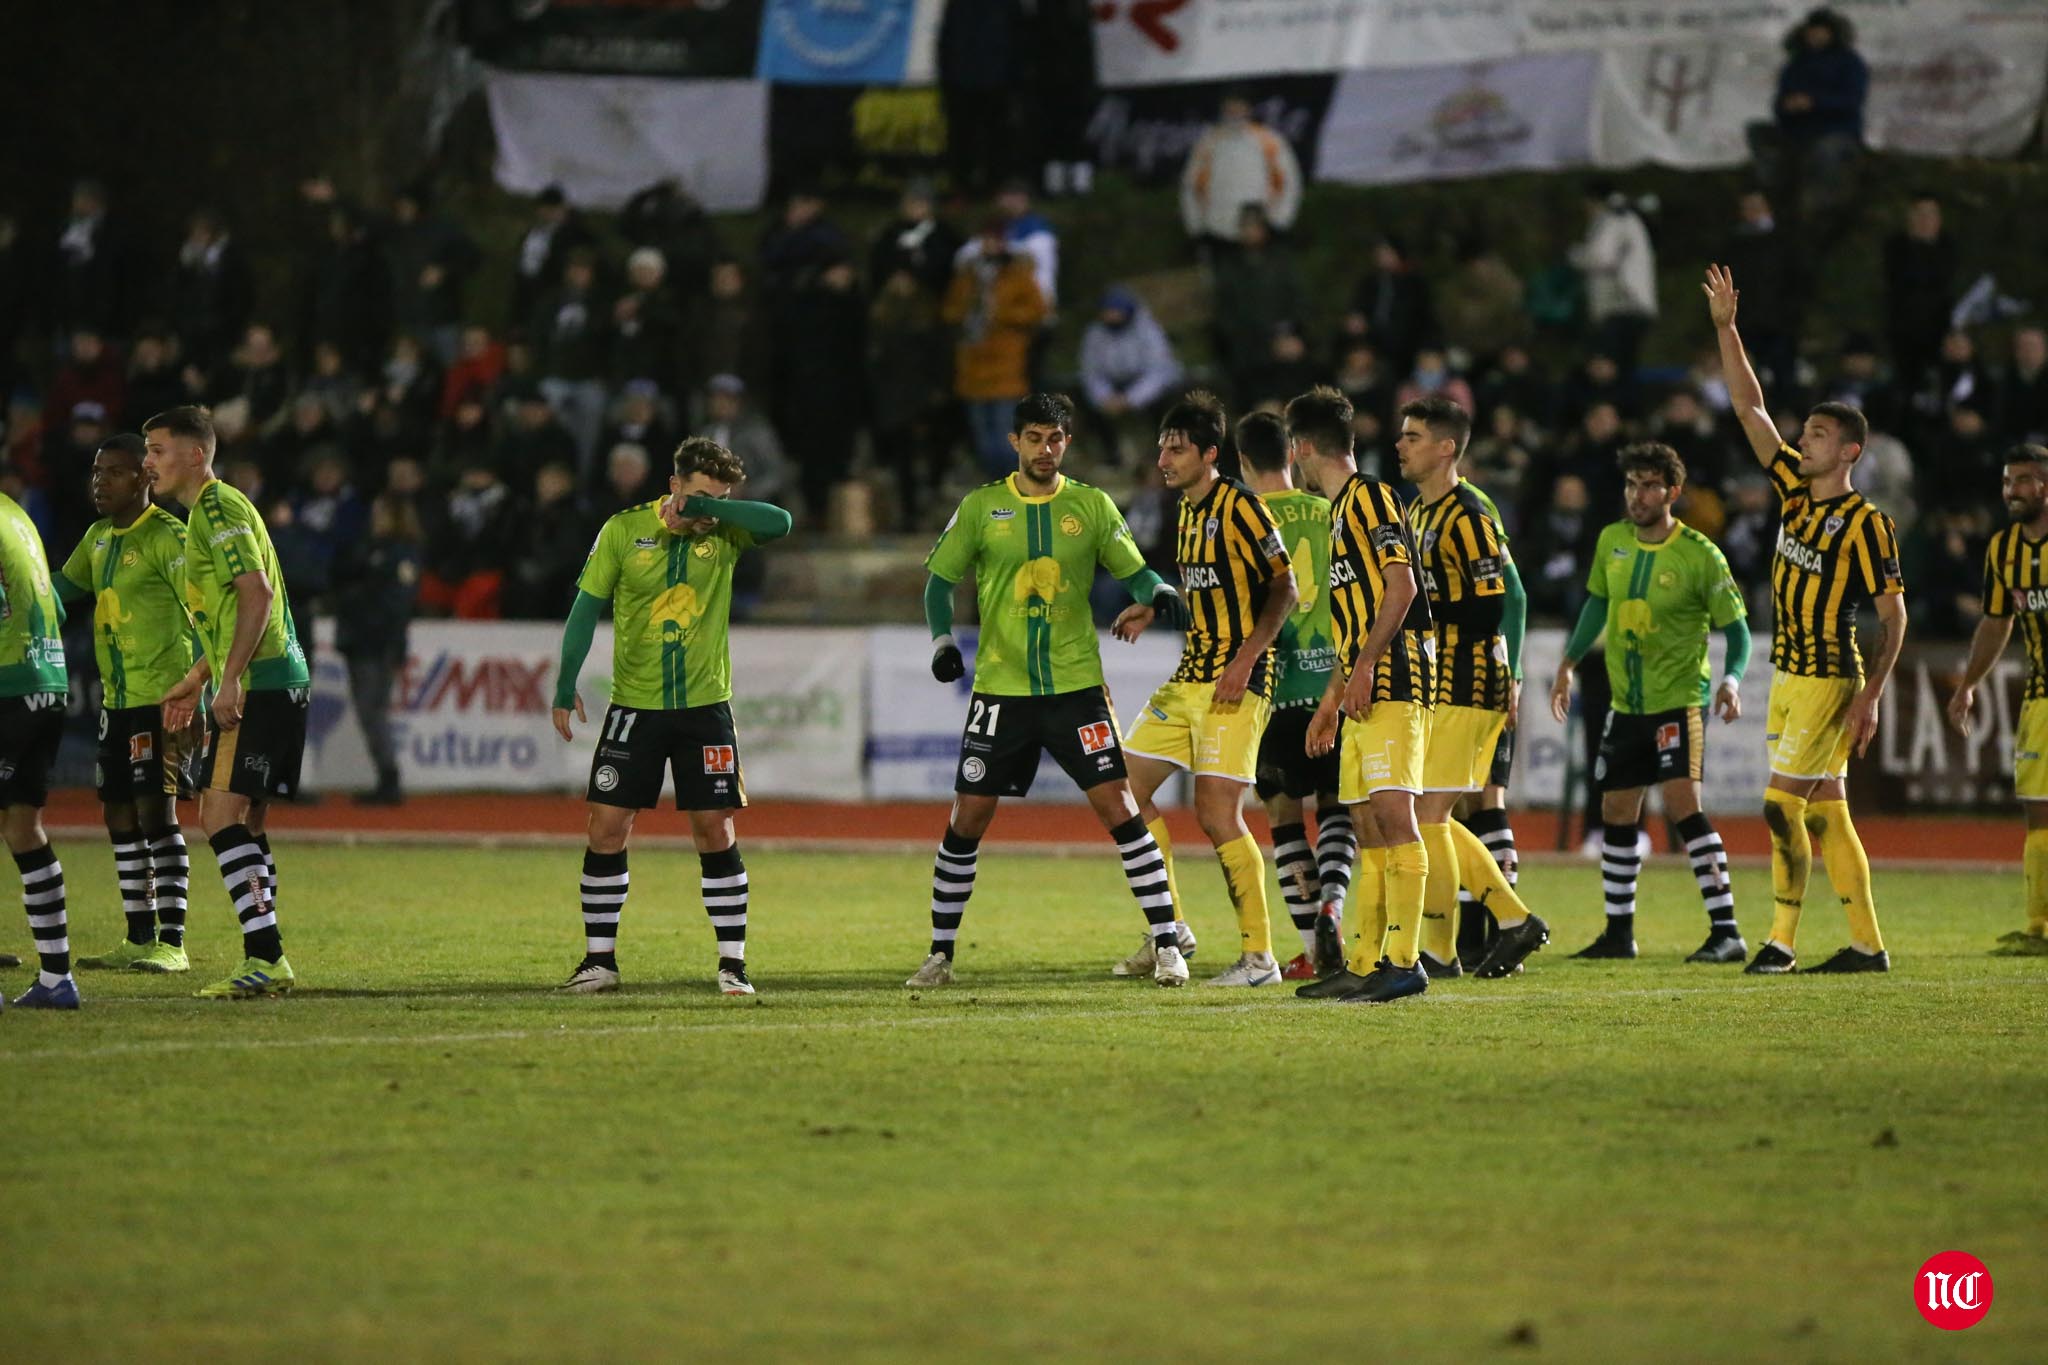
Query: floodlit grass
point(425, 1155)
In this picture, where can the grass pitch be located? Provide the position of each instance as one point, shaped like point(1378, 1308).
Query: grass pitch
point(426, 1155)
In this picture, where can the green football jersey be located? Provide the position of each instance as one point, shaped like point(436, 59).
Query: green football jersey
point(1307, 649)
point(671, 599)
point(1662, 600)
point(31, 631)
point(1033, 561)
point(140, 633)
point(224, 539)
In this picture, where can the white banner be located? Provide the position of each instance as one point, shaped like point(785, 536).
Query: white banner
point(602, 138)
point(1683, 104)
point(914, 723)
point(1153, 42)
point(1439, 122)
point(471, 711)
point(1972, 91)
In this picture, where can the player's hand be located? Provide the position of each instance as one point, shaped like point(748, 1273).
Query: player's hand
point(1131, 622)
point(1728, 701)
point(947, 665)
point(1561, 693)
point(560, 715)
point(1514, 704)
point(1236, 678)
point(1171, 608)
point(181, 705)
point(1357, 702)
point(1721, 295)
point(227, 704)
point(1863, 720)
point(1962, 707)
point(1322, 730)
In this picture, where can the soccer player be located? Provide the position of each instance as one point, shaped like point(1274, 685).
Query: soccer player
point(256, 724)
point(1209, 716)
point(1032, 542)
point(1656, 587)
point(33, 686)
point(666, 569)
point(1312, 883)
point(2016, 585)
point(132, 563)
point(1381, 683)
point(1835, 551)
point(1464, 576)
point(1486, 814)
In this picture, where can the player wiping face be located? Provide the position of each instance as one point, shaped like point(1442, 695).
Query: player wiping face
point(680, 491)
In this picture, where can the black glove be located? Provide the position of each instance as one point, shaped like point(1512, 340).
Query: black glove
point(1171, 608)
point(947, 665)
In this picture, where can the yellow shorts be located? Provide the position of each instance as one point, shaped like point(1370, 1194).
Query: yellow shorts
point(2030, 753)
point(1459, 755)
point(1383, 752)
point(1806, 725)
point(1186, 726)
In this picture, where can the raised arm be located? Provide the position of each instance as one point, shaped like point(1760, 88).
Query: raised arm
point(1745, 391)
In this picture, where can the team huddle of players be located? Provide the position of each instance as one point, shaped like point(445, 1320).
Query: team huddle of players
point(1343, 652)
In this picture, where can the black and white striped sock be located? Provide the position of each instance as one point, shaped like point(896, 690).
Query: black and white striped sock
point(131, 870)
point(952, 884)
point(1300, 883)
point(1336, 852)
point(171, 869)
point(1145, 872)
point(1620, 865)
point(269, 868)
point(241, 871)
point(604, 898)
point(1710, 869)
point(1498, 835)
point(725, 901)
point(42, 895)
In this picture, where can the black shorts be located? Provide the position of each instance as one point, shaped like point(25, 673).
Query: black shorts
point(1642, 751)
point(999, 749)
point(635, 747)
point(1503, 760)
point(260, 757)
point(1285, 768)
point(30, 728)
point(137, 759)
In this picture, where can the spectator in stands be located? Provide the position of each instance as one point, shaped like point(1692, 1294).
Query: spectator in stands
point(630, 478)
point(466, 437)
point(476, 370)
point(665, 217)
point(917, 241)
point(534, 437)
point(1966, 459)
point(1058, 68)
point(1127, 366)
point(729, 421)
point(411, 384)
point(1600, 379)
point(1257, 288)
point(997, 307)
point(821, 380)
point(431, 259)
point(1858, 379)
point(285, 447)
point(1819, 109)
point(798, 244)
point(1589, 453)
point(1620, 266)
point(1885, 475)
point(727, 331)
point(910, 366)
point(212, 291)
point(1238, 161)
point(1026, 233)
point(568, 331)
point(1765, 260)
point(469, 543)
point(2023, 409)
point(92, 373)
point(345, 287)
point(328, 510)
point(1957, 378)
point(1152, 514)
point(1919, 288)
point(1951, 570)
point(1391, 307)
point(332, 380)
point(646, 327)
point(1500, 462)
point(67, 450)
point(1514, 379)
point(1683, 423)
point(1555, 547)
point(33, 500)
point(980, 67)
point(556, 230)
point(156, 379)
point(92, 285)
point(1751, 538)
point(1364, 380)
point(1480, 307)
point(1289, 369)
point(554, 539)
point(1432, 377)
point(641, 416)
point(376, 587)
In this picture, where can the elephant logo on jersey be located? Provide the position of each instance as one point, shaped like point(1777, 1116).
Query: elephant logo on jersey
point(1633, 617)
point(107, 613)
point(677, 610)
point(1306, 583)
point(1041, 578)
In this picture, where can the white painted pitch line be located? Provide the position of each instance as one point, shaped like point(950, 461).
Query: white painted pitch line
point(949, 1020)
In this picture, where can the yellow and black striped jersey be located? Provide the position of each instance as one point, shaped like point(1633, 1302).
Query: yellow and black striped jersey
point(2016, 584)
point(1229, 552)
point(1833, 554)
point(1464, 575)
point(1369, 531)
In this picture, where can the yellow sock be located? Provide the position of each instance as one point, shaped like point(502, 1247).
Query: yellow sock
point(1407, 883)
point(1244, 871)
point(1848, 869)
point(1791, 862)
point(1368, 909)
point(2037, 881)
point(1157, 829)
point(1481, 875)
point(1440, 894)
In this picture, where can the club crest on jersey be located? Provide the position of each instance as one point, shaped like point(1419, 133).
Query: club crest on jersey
point(1001, 513)
point(1209, 529)
point(1667, 579)
point(1833, 525)
point(1096, 736)
point(703, 549)
point(1070, 525)
point(719, 758)
point(130, 559)
point(1429, 542)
